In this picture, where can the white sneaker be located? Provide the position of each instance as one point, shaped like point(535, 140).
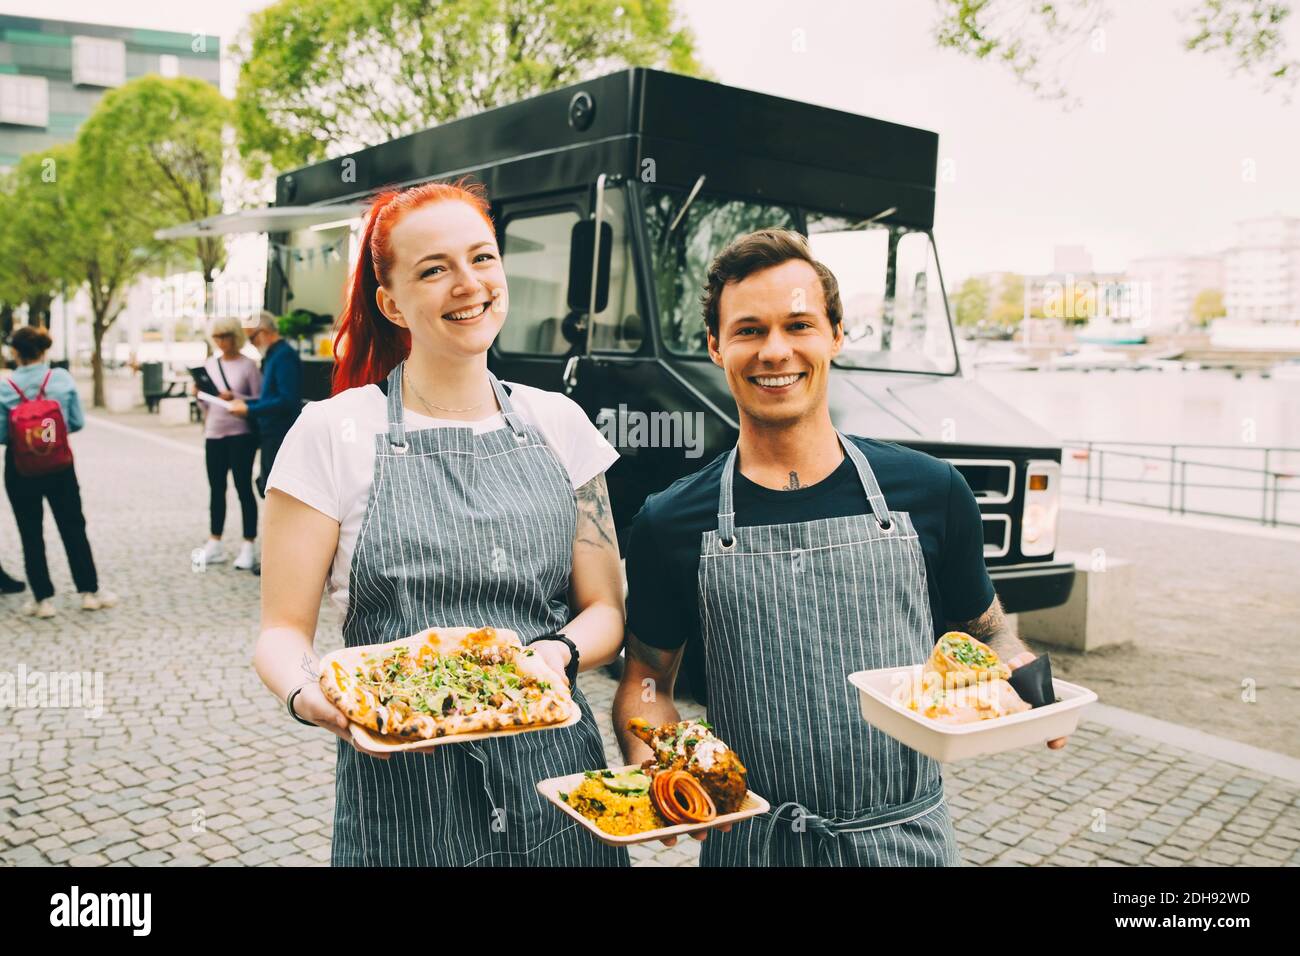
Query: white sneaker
point(211, 553)
point(40, 608)
point(247, 555)
point(94, 600)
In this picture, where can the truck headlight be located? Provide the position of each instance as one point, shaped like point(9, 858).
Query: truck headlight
point(1042, 500)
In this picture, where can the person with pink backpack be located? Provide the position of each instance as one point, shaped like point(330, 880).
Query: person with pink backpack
point(39, 406)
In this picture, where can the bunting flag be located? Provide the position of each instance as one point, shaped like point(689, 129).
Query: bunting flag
point(309, 258)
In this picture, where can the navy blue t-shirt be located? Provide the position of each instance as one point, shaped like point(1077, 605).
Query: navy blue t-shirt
point(663, 552)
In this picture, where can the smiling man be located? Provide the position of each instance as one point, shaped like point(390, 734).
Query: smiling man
point(797, 558)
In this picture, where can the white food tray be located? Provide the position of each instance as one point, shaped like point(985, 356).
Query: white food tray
point(883, 695)
point(551, 789)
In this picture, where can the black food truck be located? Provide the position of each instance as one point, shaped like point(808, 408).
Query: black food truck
point(666, 170)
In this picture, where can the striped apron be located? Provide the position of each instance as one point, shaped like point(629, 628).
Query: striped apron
point(464, 530)
point(787, 612)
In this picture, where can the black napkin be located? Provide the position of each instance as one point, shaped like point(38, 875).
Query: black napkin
point(1033, 682)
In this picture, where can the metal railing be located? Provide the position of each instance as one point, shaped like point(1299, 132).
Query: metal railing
point(1249, 483)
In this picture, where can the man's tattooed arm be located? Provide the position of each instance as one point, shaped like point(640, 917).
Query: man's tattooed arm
point(646, 691)
point(595, 518)
point(992, 628)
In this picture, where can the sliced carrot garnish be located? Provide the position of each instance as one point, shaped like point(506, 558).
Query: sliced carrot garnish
point(681, 798)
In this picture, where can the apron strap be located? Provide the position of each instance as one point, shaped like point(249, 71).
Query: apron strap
point(875, 497)
point(397, 427)
point(871, 487)
point(512, 417)
point(727, 503)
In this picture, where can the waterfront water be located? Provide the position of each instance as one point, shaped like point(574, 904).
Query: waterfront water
point(1208, 407)
point(1246, 414)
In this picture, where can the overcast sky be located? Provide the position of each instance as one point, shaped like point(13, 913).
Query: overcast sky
point(1151, 162)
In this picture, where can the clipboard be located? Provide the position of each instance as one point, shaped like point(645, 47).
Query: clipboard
point(203, 381)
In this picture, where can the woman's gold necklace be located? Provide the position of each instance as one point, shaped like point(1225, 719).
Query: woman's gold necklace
point(430, 405)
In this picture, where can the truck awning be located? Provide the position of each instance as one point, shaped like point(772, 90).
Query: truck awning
point(265, 219)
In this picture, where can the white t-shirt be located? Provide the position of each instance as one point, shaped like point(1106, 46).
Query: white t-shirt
point(327, 460)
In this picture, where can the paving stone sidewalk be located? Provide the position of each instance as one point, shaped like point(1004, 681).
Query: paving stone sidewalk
point(192, 762)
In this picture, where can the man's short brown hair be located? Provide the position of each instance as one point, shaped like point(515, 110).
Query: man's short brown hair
point(762, 250)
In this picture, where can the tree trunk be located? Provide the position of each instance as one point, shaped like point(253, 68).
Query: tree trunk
point(38, 310)
point(97, 361)
point(208, 305)
point(209, 293)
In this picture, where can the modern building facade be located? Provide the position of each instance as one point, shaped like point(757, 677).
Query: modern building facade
point(1173, 282)
point(53, 72)
point(1262, 271)
point(1262, 286)
point(52, 75)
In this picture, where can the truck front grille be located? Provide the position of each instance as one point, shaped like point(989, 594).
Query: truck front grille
point(992, 479)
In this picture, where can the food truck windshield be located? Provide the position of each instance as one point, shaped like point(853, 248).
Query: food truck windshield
point(895, 311)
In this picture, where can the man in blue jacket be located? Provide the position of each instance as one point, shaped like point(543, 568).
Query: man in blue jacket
point(276, 409)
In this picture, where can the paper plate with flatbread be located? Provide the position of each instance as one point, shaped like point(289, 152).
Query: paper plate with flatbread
point(445, 685)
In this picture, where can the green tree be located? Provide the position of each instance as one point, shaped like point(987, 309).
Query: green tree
point(29, 225)
point(321, 78)
point(1207, 306)
point(971, 303)
point(160, 141)
point(1035, 40)
point(99, 239)
point(1009, 307)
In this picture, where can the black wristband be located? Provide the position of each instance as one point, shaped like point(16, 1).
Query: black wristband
point(571, 672)
point(293, 713)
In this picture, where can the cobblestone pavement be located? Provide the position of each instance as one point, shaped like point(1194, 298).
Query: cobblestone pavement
point(192, 762)
point(1217, 613)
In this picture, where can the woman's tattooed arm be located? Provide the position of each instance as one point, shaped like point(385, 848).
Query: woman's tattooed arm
point(595, 517)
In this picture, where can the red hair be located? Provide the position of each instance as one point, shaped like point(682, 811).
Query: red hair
point(367, 345)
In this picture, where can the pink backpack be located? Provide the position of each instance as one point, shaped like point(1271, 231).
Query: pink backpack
point(38, 434)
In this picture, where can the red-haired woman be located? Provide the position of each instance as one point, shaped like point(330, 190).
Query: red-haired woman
point(427, 493)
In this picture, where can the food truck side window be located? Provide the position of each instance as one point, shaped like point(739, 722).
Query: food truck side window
point(619, 327)
point(536, 261)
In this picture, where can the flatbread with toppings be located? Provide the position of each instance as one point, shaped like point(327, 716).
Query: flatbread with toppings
point(960, 659)
point(434, 685)
point(963, 682)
